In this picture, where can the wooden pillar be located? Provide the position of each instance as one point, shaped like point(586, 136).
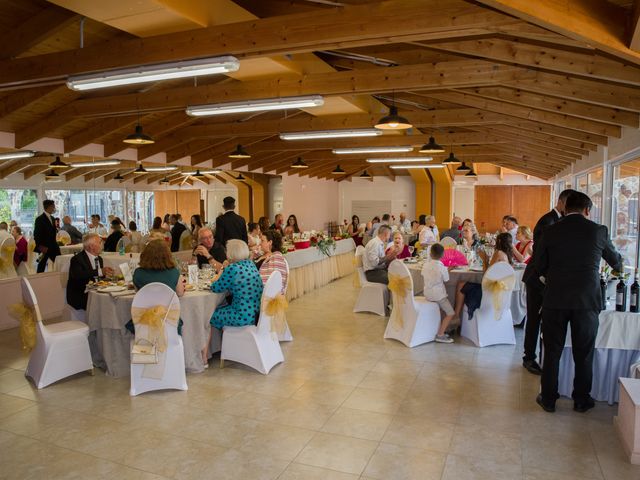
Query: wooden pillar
point(423, 191)
point(259, 194)
point(443, 209)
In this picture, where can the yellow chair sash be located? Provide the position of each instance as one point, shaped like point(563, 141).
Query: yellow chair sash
point(401, 286)
point(6, 257)
point(63, 239)
point(153, 318)
point(185, 243)
point(276, 307)
point(25, 316)
point(357, 263)
point(497, 288)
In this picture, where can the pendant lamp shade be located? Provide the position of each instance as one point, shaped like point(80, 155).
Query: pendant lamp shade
point(431, 147)
point(164, 181)
point(450, 160)
point(57, 163)
point(393, 121)
point(52, 176)
point(138, 137)
point(118, 177)
point(471, 174)
point(338, 171)
point(365, 174)
point(198, 174)
point(239, 152)
point(240, 177)
point(140, 170)
point(463, 168)
point(299, 163)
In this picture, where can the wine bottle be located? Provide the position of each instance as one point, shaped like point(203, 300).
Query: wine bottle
point(635, 292)
point(621, 296)
point(603, 290)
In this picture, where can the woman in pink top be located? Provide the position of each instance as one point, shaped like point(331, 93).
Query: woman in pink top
point(272, 259)
point(21, 252)
point(398, 244)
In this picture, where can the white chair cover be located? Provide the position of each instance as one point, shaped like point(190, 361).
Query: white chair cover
point(62, 349)
point(63, 237)
point(173, 376)
point(373, 297)
point(488, 326)
point(31, 257)
point(519, 304)
point(413, 320)
point(448, 242)
point(286, 336)
point(7, 249)
point(255, 345)
point(186, 240)
point(124, 242)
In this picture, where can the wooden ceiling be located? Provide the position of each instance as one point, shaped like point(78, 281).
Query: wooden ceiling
point(530, 86)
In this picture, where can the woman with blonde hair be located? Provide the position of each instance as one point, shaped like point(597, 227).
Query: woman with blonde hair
point(523, 250)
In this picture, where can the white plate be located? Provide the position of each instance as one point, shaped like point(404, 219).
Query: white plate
point(114, 288)
point(476, 269)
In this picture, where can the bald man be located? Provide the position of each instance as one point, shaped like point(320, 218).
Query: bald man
point(454, 231)
point(74, 233)
point(404, 223)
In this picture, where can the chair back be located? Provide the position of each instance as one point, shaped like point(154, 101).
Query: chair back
point(158, 294)
point(63, 237)
point(124, 242)
point(359, 268)
point(30, 301)
point(448, 242)
point(404, 309)
point(7, 249)
point(285, 283)
point(503, 272)
point(186, 240)
point(272, 288)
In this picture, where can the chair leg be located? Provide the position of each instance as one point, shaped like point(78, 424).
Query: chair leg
point(221, 362)
point(92, 372)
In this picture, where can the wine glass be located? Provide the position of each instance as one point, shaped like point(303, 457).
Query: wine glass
point(411, 249)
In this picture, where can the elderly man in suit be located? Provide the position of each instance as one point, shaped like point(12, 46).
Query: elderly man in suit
point(568, 257)
point(230, 225)
point(83, 267)
point(44, 234)
point(534, 287)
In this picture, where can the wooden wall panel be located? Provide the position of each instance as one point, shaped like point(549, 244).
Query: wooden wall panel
point(165, 202)
point(530, 203)
point(491, 204)
point(188, 204)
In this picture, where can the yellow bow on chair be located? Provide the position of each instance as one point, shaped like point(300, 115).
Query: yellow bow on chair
point(401, 286)
point(357, 263)
point(153, 318)
point(496, 288)
point(6, 257)
point(24, 315)
point(276, 307)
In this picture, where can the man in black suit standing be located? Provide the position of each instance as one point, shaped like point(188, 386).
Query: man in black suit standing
point(531, 278)
point(569, 259)
point(230, 225)
point(85, 266)
point(176, 231)
point(44, 234)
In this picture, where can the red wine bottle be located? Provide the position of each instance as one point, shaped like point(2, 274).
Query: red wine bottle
point(621, 296)
point(634, 293)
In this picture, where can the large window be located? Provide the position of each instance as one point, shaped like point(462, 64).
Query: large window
point(72, 203)
point(105, 203)
point(20, 205)
point(591, 184)
point(624, 210)
point(141, 209)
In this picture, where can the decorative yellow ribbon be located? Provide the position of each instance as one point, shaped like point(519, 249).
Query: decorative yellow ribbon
point(400, 286)
point(153, 318)
point(276, 307)
point(24, 315)
point(185, 243)
point(418, 246)
point(6, 257)
point(357, 263)
point(63, 239)
point(496, 288)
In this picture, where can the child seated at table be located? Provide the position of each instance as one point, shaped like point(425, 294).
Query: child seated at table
point(435, 274)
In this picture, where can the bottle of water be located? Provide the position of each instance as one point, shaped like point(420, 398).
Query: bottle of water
point(121, 249)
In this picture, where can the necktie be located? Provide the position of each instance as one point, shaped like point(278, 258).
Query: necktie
point(97, 263)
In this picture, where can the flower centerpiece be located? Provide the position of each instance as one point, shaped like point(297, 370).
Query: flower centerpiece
point(323, 242)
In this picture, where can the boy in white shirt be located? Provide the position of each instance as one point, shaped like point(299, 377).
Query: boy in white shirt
point(435, 274)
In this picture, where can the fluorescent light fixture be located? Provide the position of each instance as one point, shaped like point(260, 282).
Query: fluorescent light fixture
point(399, 160)
point(153, 73)
point(356, 150)
point(162, 169)
point(362, 132)
point(414, 165)
point(264, 105)
point(97, 163)
point(19, 154)
point(202, 172)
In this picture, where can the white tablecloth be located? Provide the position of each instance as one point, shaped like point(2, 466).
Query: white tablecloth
point(617, 348)
point(113, 260)
point(300, 258)
point(71, 249)
point(110, 340)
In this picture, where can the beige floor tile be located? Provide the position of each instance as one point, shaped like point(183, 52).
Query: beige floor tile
point(420, 433)
point(574, 456)
point(337, 452)
point(541, 474)
point(392, 462)
point(469, 468)
point(479, 442)
point(374, 400)
point(10, 404)
point(275, 441)
point(12, 380)
point(297, 471)
point(358, 423)
point(395, 381)
point(324, 393)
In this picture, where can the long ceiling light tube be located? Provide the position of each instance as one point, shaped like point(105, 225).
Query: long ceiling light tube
point(264, 105)
point(358, 150)
point(153, 73)
point(161, 169)
point(399, 160)
point(362, 132)
point(97, 163)
point(19, 154)
point(431, 165)
point(203, 172)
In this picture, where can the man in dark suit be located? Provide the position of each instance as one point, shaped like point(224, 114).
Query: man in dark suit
point(176, 231)
point(44, 234)
point(568, 257)
point(230, 225)
point(85, 266)
point(534, 286)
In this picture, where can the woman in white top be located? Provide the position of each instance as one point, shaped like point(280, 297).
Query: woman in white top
point(429, 234)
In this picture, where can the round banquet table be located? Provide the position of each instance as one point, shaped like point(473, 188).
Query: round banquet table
point(110, 341)
point(70, 249)
point(617, 349)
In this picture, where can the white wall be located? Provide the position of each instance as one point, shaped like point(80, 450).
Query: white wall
point(401, 193)
point(314, 202)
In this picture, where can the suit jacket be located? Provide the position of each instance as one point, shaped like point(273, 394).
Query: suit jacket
point(74, 233)
point(568, 256)
point(230, 226)
point(531, 275)
point(176, 232)
point(44, 234)
point(80, 273)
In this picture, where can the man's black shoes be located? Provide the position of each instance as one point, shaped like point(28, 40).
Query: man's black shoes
point(532, 367)
point(584, 406)
point(545, 407)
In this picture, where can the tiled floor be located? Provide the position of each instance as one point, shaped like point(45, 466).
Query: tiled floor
point(345, 405)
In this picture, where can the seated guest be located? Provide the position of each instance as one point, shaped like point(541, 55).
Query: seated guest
point(263, 223)
point(208, 252)
point(435, 274)
point(74, 233)
point(386, 220)
point(96, 227)
point(470, 293)
point(166, 223)
point(292, 226)
point(429, 233)
point(176, 232)
point(254, 236)
point(373, 224)
point(355, 231)
point(467, 221)
point(454, 231)
point(416, 227)
point(510, 226)
point(157, 265)
point(135, 236)
point(272, 258)
point(277, 224)
point(196, 225)
point(374, 261)
point(56, 223)
point(402, 250)
point(523, 250)
point(157, 226)
point(84, 267)
point(404, 224)
point(22, 252)
point(469, 237)
point(111, 243)
point(242, 280)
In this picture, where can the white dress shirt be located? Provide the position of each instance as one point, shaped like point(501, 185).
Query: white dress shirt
point(427, 236)
point(434, 274)
point(92, 261)
point(373, 255)
point(514, 232)
point(406, 225)
point(100, 230)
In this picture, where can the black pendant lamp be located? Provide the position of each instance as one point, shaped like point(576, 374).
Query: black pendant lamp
point(140, 170)
point(138, 137)
point(365, 174)
point(239, 152)
point(451, 160)
point(118, 177)
point(393, 121)
point(164, 181)
point(197, 174)
point(463, 168)
point(338, 171)
point(431, 147)
point(52, 176)
point(57, 163)
point(240, 177)
point(471, 174)
point(299, 163)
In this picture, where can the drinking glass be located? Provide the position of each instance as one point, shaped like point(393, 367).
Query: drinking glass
point(411, 250)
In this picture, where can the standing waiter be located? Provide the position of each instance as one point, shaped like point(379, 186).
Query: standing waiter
point(531, 278)
point(568, 256)
point(44, 234)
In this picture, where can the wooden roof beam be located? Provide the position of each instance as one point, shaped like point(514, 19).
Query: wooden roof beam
point(34, 170)
point(100, 129)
